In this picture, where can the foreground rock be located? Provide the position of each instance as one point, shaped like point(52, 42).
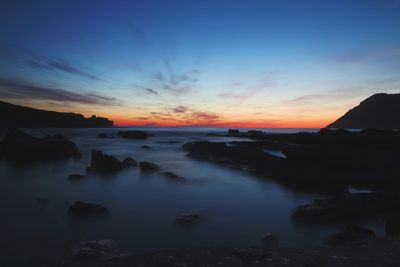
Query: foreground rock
point(106, 163)
point(21, 146)
point(350, 233)
point(133, 134)
point(371, 253)
point(103, 250)
point(149, 167)
point(83, 208)
point(342, 208)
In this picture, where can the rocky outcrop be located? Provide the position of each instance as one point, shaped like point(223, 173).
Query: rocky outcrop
point(378, 111)
point(349, 234)
point(82, 208)
point(18, 145)
point(342, 208)
point(133, 134)
point(14, 116)
point(175, 178)
point(106, 163)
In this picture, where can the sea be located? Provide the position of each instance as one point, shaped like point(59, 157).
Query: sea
point(237, 208)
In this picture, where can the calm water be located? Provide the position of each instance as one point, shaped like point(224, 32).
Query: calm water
point(238, 208)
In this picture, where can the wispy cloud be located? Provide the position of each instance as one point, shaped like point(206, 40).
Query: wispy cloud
point(180, 109)
point(18, 89)
point(148, 90)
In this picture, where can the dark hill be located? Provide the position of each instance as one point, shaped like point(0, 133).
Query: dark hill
point(14, 116)
point(378, 111)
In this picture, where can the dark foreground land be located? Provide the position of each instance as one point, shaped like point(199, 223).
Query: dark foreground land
point(370, 253)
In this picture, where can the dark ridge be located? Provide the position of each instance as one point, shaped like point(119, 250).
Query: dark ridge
point(380, 111)
point(15, 116)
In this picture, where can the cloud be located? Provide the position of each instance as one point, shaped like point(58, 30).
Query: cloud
point(180, 109)
point(48, 63)
point(17, 89)
point(205, 115)
point(147, 89)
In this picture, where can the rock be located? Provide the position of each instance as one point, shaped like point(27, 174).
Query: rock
point(101, 249)
point(146, 147)
point(76, 177)
point(188, 217)
point(343, 207)
point(350, 233)
point(133, 134)
point(107, 163)
point(270, 240)
point(129, 162)
point(102, 135)
point(21, 146)
point(233, 131)
point(174, 177)
point(149, 167)
point(82, 208)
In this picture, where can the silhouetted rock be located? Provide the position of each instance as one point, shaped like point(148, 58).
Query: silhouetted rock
point(82, 208)
point(133, 134)
point(149, 167)
point(350, 233)
point(343, 207)
point(270, 240)
point(76, 177)
point(14, 116)
point(174, 177)
point(146, 147)
point(188, 217)
point(107, 163)
point(102, 135)
point(103, 250)
point(233, 131)
point(18, 145)
point(129, 162)
point(378, 111)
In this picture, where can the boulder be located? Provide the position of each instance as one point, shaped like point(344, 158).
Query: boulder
point(233, 131)
point(174, 177)
point(133, 134)
point(149, 167)
point(76, 177)
point(20, 146)
point(82, 208)
point(98, 249)
point(350, 233)
point(270, 240)
point(107, 163)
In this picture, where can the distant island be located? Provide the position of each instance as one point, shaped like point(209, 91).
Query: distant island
point(15, 116)
point(380, 111)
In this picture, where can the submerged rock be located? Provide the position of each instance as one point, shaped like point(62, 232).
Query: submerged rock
point(350, 233)
point(76, 177)
point(149, 167)
point(83, 208)
point(270, 240)
point(188, 217)
point(99, 249)
point(133, 134)
point(146, 147)
point(174, 177)
point(21, 146)
point(107, 163)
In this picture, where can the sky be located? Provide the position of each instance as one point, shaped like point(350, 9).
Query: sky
point(221, 63)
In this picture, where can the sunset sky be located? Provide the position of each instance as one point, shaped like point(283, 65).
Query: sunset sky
point(210, 63)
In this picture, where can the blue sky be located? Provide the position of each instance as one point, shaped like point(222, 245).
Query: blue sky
point(222, 63)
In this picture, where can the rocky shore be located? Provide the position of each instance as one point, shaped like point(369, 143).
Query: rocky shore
point(367, 253)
